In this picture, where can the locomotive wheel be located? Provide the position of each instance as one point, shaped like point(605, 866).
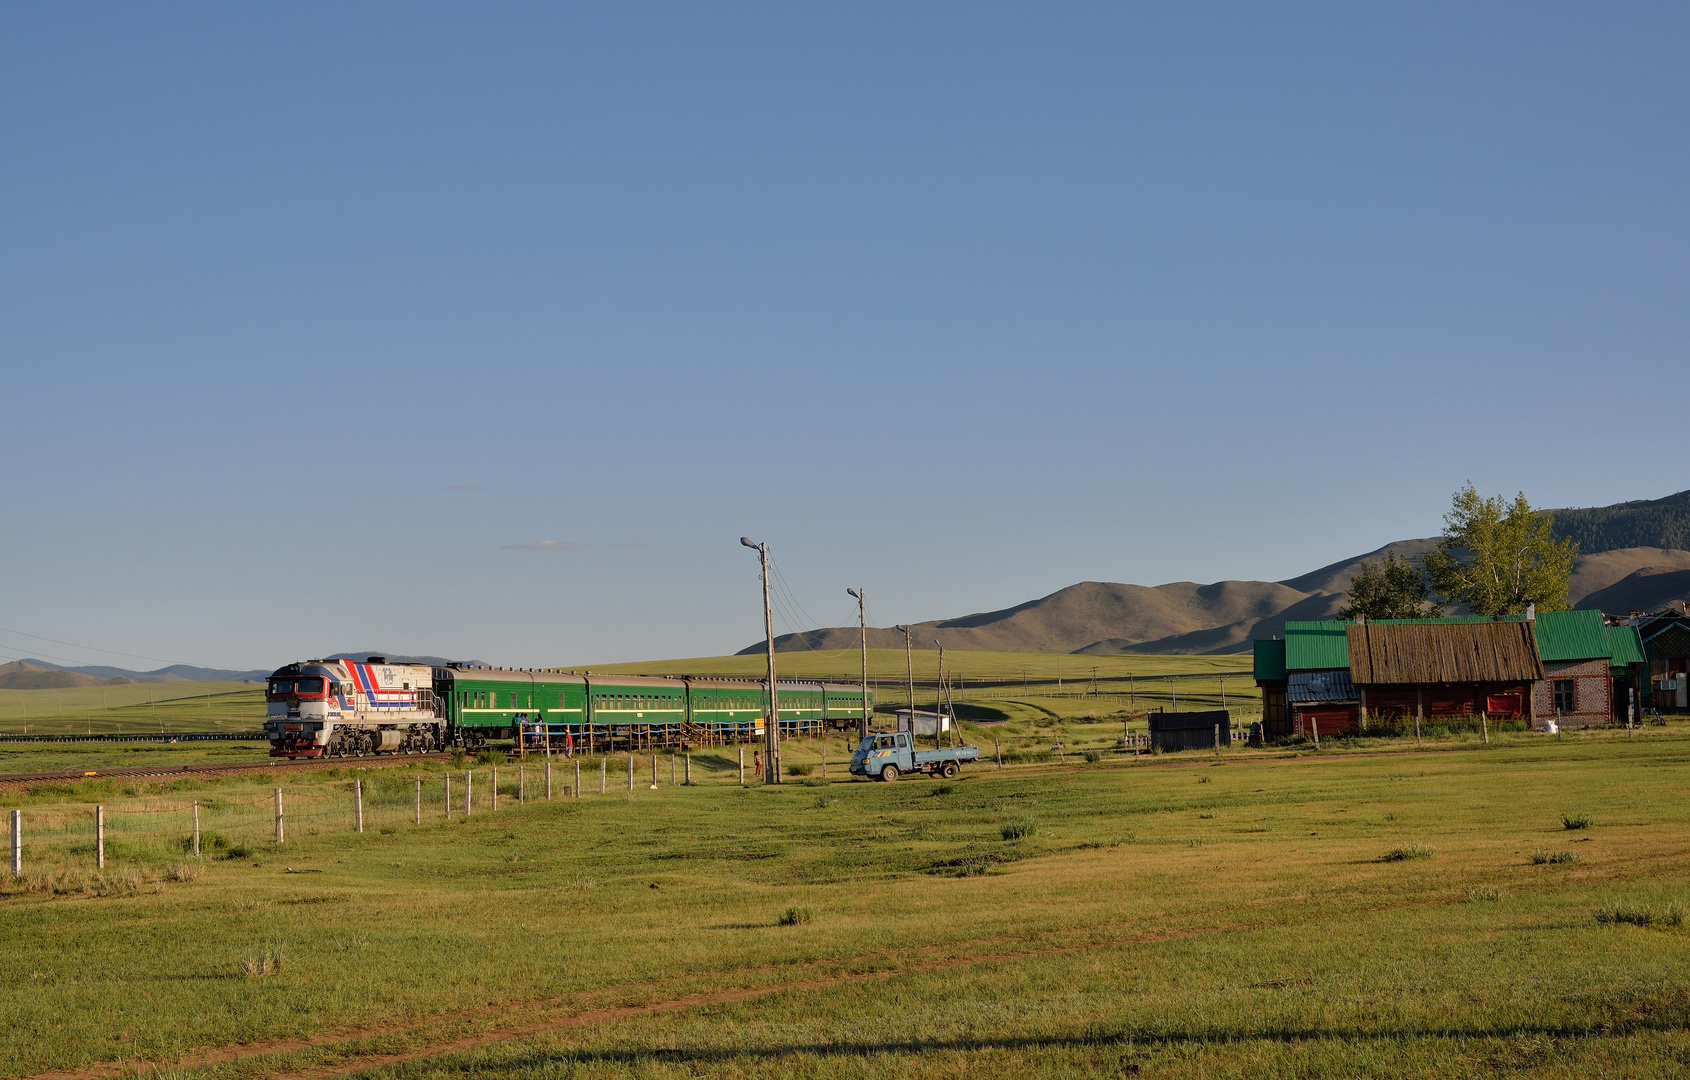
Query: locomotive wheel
point(889, 773)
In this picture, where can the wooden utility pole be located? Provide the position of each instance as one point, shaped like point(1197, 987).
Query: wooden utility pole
point(862, 617)
point(909, 662)
point(938, 698)
point(771, 728)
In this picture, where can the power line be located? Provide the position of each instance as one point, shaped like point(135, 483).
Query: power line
point(90, 648)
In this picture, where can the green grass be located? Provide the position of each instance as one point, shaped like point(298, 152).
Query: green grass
point(134, 708)
point(1151, 925)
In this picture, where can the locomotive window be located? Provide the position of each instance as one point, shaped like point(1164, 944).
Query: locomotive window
point(281, 686)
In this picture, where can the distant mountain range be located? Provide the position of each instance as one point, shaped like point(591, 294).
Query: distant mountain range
point(45, 675)
point(1634, 555)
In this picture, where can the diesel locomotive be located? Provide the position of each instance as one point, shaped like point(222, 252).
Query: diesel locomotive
point(333, 708)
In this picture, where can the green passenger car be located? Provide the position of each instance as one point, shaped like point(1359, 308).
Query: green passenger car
point(589, 712)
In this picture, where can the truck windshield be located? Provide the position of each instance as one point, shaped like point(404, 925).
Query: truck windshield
point(883, 742)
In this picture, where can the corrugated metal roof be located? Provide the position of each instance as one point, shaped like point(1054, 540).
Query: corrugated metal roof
point(1270, 660)
point(1311, 686)
point(1626, 646)
point(1571, 635)
point(1315, 646)
point(1410, 653)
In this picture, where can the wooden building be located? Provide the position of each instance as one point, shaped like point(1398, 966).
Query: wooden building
point(1191, 730)
point(1666, 642)
point(1443, 668)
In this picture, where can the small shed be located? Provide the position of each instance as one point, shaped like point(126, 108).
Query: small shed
point(1323, 702)
point(926, 723)
point(1191, 730)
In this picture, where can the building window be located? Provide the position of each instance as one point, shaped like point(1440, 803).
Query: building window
point(1564, 696)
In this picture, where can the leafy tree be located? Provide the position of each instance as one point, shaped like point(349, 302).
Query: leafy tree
point(1496, 557)
point(1392, 588)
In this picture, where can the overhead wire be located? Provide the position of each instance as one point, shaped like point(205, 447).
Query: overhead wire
point(89, 648)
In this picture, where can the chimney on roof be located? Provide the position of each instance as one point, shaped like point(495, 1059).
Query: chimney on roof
point(1531, 612)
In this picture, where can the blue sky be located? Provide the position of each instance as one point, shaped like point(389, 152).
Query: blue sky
point(435, 329)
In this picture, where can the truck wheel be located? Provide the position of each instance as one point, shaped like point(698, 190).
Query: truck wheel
point(889, 773)
point(950, 770)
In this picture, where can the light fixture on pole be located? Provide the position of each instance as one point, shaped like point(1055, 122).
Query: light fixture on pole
point(771, 726)
point(862, 618)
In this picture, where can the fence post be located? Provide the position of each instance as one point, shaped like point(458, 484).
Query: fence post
point(630, 770)
point(1217, 736)
point(604, 769)
point(419, 800)
point(654, 768)
point(742, 765)
point(100, 836)
point(469, 790)
point(279, 833)
point(17, 843)
point(448, 795)
point(548, 777)
point(522, 783)
point(495, 787)
point(577, 778)
point(997, 751)
point(358, 806)
point(196, 828)
point(824, 763)
point(1314, 726)
point(671, 770)
point(1484, 725)
point(689, 770)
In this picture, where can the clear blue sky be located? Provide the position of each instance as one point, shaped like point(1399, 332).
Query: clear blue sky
point(487, 330)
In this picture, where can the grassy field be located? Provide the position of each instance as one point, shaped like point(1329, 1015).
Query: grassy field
point(133, 708)
point(1367, 910)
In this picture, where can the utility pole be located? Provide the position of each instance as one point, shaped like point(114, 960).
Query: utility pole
point(938, 696)
point(909, 662)
point(771, 728)
point(862, 617)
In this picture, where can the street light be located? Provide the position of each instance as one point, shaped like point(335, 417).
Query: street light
point(771, 727)
point(862, 617)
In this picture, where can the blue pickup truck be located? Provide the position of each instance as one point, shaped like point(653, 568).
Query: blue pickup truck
point(887, 755)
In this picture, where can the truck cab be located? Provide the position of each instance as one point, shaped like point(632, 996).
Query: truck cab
point(886, 755)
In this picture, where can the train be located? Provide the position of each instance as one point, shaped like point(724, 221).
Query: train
point(346, 708)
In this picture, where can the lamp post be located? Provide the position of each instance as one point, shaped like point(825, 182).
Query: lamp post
point(771, 728)
point(862, 618)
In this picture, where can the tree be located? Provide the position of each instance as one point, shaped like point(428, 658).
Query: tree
point(1392, 588)
point(1497, 557)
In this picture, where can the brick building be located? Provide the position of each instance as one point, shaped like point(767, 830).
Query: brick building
point(1577, 687)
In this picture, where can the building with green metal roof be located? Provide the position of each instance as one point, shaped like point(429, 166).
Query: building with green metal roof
point(1577, 688)
point(1581, 672)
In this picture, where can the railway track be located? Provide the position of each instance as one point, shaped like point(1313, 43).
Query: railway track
point(211, 768)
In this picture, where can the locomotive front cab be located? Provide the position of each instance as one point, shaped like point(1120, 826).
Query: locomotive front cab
point(300, 700)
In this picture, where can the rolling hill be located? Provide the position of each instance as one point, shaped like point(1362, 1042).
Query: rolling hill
point(23, 675)
point(1636, 555)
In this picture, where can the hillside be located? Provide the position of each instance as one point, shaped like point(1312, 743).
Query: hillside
point(23, 675)
point(1644, 523)
point(1098, 617)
